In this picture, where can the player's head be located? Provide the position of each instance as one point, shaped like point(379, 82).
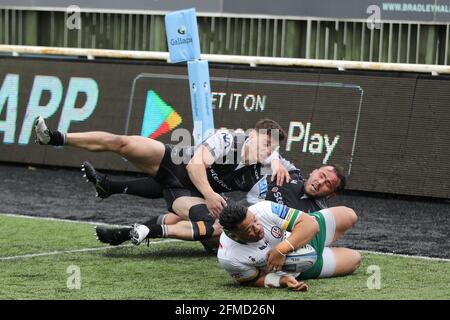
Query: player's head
point(263, 140)
point(325, 181)
point(241, 223)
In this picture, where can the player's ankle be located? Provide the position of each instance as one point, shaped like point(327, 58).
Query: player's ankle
point(157, 231)
point(57, 138)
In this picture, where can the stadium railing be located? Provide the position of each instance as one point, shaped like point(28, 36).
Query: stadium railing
point(16, 50)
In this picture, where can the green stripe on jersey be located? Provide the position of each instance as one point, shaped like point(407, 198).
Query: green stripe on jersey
point(292, 218)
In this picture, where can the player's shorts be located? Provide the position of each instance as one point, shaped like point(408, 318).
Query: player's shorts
point(325, 264)
point(171, 194)
point(174, 177)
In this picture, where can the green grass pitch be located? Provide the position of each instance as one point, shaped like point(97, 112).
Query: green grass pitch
point(175, 270)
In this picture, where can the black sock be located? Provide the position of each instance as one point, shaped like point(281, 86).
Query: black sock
point(117, 186)
point(57, 138)
point(156, 231)
point(144, 187)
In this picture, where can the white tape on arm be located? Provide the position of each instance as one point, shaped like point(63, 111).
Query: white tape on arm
point(272, 280)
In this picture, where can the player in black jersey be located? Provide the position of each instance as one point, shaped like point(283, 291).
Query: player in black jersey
point(308, 195)
point(191, 178)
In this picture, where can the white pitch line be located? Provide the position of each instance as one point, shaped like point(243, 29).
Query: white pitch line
point(53, 253)
point(404, 255)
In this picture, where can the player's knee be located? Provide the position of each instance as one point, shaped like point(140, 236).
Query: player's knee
point(119, 143)
point(356, 260)
point(202, 230)
point(200, 212)
point(352, 217)
point(202, 222)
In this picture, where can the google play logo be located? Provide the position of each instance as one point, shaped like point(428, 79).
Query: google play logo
point(159, 117)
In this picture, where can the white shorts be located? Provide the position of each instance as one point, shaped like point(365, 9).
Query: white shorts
point(330, 225)
point(329, 260)
point(329, 263)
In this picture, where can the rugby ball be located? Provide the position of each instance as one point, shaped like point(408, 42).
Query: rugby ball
point(300, 260)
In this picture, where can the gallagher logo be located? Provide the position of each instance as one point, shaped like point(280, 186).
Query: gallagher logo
point(185, 39)
point(159, 117)
point(182, 30)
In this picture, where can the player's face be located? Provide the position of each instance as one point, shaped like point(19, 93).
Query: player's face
point(321, 182)
point(258, 147)
point(251, 229)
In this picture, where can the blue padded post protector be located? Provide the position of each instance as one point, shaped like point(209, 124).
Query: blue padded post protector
point(182, 36)
point(201, 103)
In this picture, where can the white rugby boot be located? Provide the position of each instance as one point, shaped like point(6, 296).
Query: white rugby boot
point(43, 135)
point(138, 233)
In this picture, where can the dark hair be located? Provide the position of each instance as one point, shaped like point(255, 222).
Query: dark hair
point(339, 171)
point(269, 124)
point(232, 215)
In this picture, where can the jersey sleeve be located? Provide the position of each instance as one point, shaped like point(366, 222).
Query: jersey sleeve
point(258, 192)
point(269, 159)
point(277, 214)
point(240, 272)
point(285, 216)
point(219, 144)
point(287, 164)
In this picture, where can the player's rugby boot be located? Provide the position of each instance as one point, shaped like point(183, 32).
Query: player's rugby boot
point(112, 235)
point(43, 135)
point(46, 136)
point(138, 233)
point(99, 180)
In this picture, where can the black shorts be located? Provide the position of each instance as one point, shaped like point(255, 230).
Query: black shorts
point(171, 194)
point(174, 177)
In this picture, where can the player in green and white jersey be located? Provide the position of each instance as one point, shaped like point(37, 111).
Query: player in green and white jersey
point(257, 240)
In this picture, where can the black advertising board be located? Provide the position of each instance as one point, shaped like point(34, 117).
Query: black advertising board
point(389, 131)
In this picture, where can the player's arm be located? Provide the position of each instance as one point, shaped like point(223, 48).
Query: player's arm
point(205, 155)
point(254, 277)
point(280, 168)
point(303, 228)
point(274, 280)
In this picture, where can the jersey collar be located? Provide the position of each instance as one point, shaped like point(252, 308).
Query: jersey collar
point(227, 233)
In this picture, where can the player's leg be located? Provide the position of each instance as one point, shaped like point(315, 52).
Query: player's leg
point(167, 218)
point(204, 225)
point(169, 225)
point(339, 262)
point(198, 224)
point(197, 230)
point(184, 230)
point(118, 235)
point(337, 221)
point(104, 186)
point(145, 153)
point(333, 222)
point(183, 205)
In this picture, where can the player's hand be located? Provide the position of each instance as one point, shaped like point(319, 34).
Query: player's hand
point(293, 284)
point(215, 203)
point(275, 260)
point(279, 172)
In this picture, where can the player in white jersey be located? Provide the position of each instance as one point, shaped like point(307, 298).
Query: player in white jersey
point(256, 240)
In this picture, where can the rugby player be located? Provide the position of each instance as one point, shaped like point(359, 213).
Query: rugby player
point(256, 240)
point(307, 195)
point(191, 178)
